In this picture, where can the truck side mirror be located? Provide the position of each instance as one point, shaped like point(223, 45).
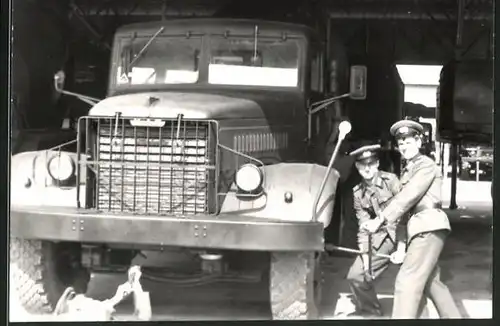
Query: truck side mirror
point(59, 79)
point(357, 83)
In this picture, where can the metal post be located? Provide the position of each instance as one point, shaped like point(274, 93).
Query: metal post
point(454, 156)
point(460, 25)
point(327, 60)
point(477, 164)
point(164, 10)
point(477, 171)
point(454, 145)
point(441, 158)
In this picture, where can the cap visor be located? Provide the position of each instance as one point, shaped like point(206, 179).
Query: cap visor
point(367, 160)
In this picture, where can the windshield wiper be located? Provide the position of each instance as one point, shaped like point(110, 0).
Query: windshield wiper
point(255, 40)
point(131, 64)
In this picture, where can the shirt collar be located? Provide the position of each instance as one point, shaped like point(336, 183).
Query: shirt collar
point(412, 161)
point(377, 181)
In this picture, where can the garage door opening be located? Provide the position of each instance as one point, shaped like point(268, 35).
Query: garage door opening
point(421, 83)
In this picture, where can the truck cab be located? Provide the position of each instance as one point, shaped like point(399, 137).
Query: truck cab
point(201, 145)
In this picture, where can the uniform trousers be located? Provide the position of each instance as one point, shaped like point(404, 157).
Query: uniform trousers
point(419, 279)
point(361, 286)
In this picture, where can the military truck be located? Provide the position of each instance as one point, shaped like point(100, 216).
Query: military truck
point(200, 146)
point(465, 103)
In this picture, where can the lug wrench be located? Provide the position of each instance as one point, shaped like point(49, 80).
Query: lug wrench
point(330, 247)
point(376, 208)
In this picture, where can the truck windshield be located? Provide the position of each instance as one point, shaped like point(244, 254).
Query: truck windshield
point(253, 62)
point(167, 60)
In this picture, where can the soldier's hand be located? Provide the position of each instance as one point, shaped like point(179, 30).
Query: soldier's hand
point(373, 225)
point(398, 257)
point(366, 267)
point(363, 249)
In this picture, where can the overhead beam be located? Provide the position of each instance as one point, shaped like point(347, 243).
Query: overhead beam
point(167, 12)
point(380, 15)
point(79, 13)
point(207, 12)
point(387, 9)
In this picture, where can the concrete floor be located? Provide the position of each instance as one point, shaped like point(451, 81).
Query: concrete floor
point(466, 269)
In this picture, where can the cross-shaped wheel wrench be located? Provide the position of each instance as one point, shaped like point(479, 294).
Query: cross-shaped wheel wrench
point(125, 289)
point(370, 256)
point(134, 278)
point(142, 301)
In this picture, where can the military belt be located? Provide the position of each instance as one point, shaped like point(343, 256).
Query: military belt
point(421, 208)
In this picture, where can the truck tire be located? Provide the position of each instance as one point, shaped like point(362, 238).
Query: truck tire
point(39, 274)
point(295, 285)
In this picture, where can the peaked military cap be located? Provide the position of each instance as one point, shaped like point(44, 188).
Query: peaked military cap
point(366, 154)
point(404, 128)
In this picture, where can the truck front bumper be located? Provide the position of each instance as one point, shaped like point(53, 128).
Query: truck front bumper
point(223, 231)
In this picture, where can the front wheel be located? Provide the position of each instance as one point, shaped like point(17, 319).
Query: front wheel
point(40, 271)
point(295, 285)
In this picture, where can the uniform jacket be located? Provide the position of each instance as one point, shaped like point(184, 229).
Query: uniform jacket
point(420, 198)
point(384, 187)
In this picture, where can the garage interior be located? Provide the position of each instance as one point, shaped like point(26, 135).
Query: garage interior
point(76, 36)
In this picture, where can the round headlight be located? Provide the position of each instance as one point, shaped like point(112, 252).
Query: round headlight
point(248, 178)
point(61, 167)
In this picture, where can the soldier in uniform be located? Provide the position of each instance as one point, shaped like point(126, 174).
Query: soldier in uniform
point(370, 196)
point(427, 229)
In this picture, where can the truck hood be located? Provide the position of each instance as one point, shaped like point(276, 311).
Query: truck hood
point(198, 105)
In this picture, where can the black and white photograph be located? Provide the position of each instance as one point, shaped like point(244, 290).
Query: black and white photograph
point(232, 160)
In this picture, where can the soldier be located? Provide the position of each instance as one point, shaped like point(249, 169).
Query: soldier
point(370, 195)
point(427, 228)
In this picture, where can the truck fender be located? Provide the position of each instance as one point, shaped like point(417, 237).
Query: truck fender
point(301, 180)
point(31, 184)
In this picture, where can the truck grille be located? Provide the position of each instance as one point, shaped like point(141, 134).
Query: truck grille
point(154, 170)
